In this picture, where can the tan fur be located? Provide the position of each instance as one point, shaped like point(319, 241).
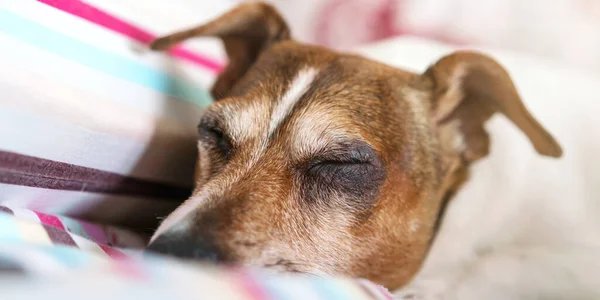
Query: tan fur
point(425, 129)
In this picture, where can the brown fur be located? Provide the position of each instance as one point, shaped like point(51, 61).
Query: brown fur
point(260, 203)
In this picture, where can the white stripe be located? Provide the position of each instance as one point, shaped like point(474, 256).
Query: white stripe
point(33, 233)
point(297, 88)
point(43, 96)
point(89, 246)
point(26, 214)
point(170, 159)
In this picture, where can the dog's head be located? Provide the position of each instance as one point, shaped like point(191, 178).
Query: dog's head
point(321, 162)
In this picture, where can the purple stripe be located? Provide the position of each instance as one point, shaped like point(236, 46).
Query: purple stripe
point(31, 171)
point(95, 233)
point(59, 237)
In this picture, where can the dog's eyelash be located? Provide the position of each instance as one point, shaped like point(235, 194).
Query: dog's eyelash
point(342, 161)
point(329, 164)
point(353, 156)
point(354, 171)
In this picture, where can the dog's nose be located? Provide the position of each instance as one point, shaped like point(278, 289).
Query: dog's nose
point(185, 247)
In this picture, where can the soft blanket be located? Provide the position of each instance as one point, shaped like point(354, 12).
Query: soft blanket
point(54, 257)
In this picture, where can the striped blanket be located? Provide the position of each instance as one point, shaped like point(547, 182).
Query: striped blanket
point(50, 257)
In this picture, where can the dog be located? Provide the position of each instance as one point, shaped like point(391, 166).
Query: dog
point(325, 163)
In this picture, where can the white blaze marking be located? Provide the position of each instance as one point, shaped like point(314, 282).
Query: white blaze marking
point(243, 120)
point(297, 88)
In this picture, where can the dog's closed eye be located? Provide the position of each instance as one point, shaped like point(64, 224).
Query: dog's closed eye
point(213, 138)
point(216, 144)
point(351, 171)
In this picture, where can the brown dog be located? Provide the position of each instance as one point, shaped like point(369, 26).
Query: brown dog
point(327, 163)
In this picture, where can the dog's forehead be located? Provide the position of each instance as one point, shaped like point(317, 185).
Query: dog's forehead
point(306, 97)
point(307, 112)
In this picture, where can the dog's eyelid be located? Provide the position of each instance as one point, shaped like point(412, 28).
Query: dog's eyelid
point(211, 122)
point(210, 119)
point(210, 129)
point(353, 152)
point(209, 132)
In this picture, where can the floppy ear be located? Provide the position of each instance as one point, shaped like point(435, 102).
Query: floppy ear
point(467, 89)
point(246, 31)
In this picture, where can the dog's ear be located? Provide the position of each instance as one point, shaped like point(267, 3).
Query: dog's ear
point(246, 31)
point(467, 89)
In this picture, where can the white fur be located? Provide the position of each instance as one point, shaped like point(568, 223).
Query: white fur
point(523, 226)
point(297, 88)
point(314, 131)
point(244, 120)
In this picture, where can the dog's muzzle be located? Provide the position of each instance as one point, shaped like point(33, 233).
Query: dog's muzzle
point(186, 247)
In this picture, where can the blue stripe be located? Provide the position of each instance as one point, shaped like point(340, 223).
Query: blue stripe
point(68, 256)
point(278, 288)
point(100, 60)
point(9, 232)
point(74, 227)
point(329, 289)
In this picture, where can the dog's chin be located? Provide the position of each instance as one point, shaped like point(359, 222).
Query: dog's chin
point(288, 268)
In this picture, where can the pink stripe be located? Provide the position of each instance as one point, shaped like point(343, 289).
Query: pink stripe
point(113, 253)
point(374, 290)
point(99, 17)
point(129, 268)
point(247, 282)
point(50, 220)
point(384, 292)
